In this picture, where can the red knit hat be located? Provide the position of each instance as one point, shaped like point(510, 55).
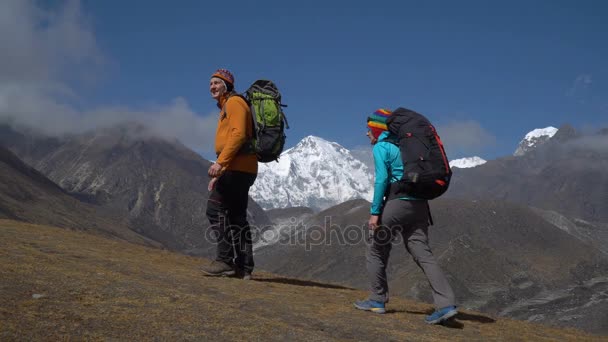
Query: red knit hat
point(225, 75)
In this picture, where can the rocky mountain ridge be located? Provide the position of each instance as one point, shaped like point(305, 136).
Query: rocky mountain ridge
point(534, 139)
point(158, 186)
point(27, 195)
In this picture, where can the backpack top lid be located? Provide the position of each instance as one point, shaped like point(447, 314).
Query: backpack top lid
point(403, 116)
point(265, 87)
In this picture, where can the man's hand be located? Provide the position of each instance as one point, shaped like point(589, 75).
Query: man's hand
point(215, 170)
point(373, 222)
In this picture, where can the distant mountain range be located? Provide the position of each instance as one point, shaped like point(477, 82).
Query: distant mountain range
point(566, 174)
point(315, 173)
point(318, 174)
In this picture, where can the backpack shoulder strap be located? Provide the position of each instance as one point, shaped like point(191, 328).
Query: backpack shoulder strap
point(239, 96)
point(234, 94)
point(247, 147)
point(391, 138)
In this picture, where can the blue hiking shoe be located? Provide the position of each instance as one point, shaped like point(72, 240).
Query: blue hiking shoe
point(441, 315)
point(370, 305)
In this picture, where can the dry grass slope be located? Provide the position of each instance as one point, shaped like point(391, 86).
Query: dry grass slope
point(97, 288)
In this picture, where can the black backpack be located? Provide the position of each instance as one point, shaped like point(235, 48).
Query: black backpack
point(426, 170)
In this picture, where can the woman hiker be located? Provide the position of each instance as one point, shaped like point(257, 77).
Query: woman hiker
point(406, 216)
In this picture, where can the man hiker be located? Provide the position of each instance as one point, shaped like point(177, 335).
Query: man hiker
point(232, 175)
point(405, 215)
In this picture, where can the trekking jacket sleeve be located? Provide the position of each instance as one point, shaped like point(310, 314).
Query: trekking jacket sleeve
point(382, 178)
point(238, 116)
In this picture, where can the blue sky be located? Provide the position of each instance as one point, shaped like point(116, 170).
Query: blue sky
point(484, 72)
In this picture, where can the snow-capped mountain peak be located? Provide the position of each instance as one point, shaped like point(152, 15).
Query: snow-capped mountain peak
point(315, 173)
point(468, 162)
point(535, 138)
point(316, 145)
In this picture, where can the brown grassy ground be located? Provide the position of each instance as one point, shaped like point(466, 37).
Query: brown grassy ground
point(99, 289)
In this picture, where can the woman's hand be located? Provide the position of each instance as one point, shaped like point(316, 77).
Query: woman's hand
point(373, 222)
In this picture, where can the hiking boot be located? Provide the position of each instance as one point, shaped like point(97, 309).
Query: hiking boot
point(441, 315)
point(370, 305)
point(218, 268)
point(242, 274)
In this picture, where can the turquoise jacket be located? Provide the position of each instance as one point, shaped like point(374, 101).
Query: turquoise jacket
point(389, 169)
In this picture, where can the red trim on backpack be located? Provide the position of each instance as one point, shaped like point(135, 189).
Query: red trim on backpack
point(445, 158)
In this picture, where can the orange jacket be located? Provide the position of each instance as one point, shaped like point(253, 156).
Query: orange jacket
point(234, 128)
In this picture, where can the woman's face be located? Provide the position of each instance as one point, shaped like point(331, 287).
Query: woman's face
point(372, 140)
point(217, 88)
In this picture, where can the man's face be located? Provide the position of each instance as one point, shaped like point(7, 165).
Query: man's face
point(217, 88)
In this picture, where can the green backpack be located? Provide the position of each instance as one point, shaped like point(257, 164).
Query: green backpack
point(269, 121)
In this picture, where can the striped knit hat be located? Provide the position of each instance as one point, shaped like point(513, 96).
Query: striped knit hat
point(377, 122)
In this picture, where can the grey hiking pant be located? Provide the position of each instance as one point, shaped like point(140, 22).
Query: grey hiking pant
point(410, 219)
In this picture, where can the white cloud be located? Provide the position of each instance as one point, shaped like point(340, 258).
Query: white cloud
point(39, 46)
point(596, 143)
point(46, 53)
point(580, 84)
point(364, 154)
point(466, 138)
point(176, 120)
